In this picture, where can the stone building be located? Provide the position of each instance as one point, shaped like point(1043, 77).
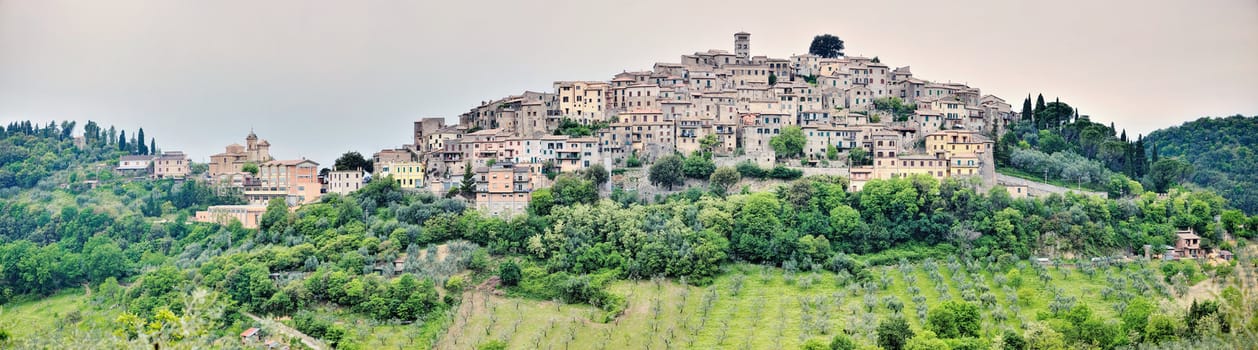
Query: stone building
point(236, 156)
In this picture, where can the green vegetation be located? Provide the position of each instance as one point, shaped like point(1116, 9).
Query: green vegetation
point(790, 143)
point(751, 170)
point(908, 262)
point(30, 153)
point(1055, 142)
point(572, 128)
point(667, 171)
point(353, 160)
point(751, 306)
point(896, 107)
point(826, 46)
point(1221, 153)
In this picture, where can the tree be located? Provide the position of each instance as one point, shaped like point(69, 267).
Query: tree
point(250, 284)
point(570, 189)
point(773, 79)
point(790, 143)
point(249, 168)
point(541, 202)
point(509, 273)
point(842, 342)
point(597, 174)
point(893, 333)
point(276, 216)
point(1039, 110)
point(153, 145)
point(122, 141)
point(1167, 172)
point(827, 46)
point(708, 143)
point(858, 156)
point(667, 171)
point(633, 161)
point(469, 183)
point(723, 178)
point(696, 166)
point(143, 150)
point(832, 152)
point(954, 319)
point(353, 160)
point(1026, 109)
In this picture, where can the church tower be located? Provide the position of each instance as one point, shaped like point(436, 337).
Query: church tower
point(742, 46)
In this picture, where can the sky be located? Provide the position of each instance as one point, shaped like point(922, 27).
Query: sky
point(319, 77)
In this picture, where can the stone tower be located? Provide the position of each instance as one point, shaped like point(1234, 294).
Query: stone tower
point(742, 46)
point(251, 141)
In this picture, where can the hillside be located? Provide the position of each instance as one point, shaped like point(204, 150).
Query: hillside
point(1222, 154)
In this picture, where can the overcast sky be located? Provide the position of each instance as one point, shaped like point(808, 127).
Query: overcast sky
point(318, 78)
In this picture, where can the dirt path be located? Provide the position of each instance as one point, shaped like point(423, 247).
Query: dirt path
point(309, 341)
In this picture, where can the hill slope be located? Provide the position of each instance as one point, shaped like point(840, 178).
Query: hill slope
point(1222, 152)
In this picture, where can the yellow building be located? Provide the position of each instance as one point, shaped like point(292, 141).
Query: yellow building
point(964, 164)
point(247, 215)
point(581, 101)
point(953, 142)
point(407, 174)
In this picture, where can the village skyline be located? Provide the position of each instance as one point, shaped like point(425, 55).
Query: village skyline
point(278, 68)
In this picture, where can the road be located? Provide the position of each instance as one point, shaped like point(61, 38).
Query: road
point(310, 342)
point(1037, 188)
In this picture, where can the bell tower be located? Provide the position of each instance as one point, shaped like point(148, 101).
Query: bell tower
point(742, 46)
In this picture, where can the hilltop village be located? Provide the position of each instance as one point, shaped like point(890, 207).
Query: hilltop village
point(859, 118)
point(730, 104)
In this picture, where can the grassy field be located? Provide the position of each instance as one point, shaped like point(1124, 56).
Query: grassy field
point(752, 307)
point(70, 308)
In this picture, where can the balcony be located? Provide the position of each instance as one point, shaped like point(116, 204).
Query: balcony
point(567, 155)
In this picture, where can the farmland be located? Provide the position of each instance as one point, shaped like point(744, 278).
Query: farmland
point(755, 307)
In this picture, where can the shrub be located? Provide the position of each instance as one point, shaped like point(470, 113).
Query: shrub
point(509, 273)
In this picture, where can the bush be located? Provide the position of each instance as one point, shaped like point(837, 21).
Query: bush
point(815, 344)
point(893, 333)
point(455, 284)
point(842, 342)
point(492, 345)
point(784, 173)
point(509, 273)
point(749, 169)
point(954, 319)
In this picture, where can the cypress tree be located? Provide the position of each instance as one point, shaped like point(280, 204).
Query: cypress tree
point(141, 148)
point(153, 145)
point(1039, 108)
point(1026, 109)
point(122, 140)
